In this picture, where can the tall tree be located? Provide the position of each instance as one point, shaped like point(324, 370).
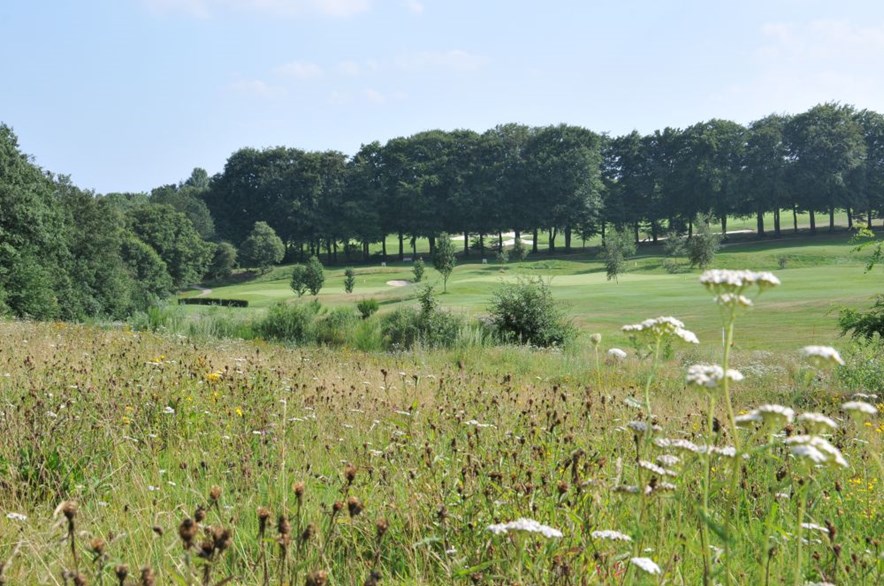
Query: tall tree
point(764, 187)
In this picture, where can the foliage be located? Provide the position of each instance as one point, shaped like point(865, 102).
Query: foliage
point(298, 281)
point(223, 261)
point(349, 280)
point(703, 244)
point(519, 252)
point(367, 307)
point(429, 326)
point(336, 327)
point(444, 259)
point(864, 368)
point(262, 249)
point(417, 269)
point(525, 313)
point(618, 246)
point(289, 322)
point(314, 275)
point(863, 324)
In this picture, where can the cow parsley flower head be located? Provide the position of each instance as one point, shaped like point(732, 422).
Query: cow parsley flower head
point(721, 281)
point(733, 300)
point(822, 356)
point(610, 535)
point(658, 470)
point(678, 443)
point(615, 354)
point(647, 565)
point(818, 450)
point(524, 524)
point(776, 414)
point(751, 417)
point(817, 422)
point(860, 407)
point(710, 376)
point(661, 327)
point(17, 517)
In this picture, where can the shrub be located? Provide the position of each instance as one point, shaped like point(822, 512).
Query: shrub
point(618, 246)
point(334, 328)
point(418, 269)
point(519, 251)
point(503, 256)
point(314, 276)
point(349, 280)
point(223, 261)
point(289, 323)
point(525, 312)
point(863, 324)
point(262, 249)
point(864, 368)
point(429, 325)
point(299, 280)
point(368, 307)
point(704, 244)
point(444, 259)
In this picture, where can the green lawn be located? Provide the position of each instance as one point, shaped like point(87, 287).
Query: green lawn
point(820, 274)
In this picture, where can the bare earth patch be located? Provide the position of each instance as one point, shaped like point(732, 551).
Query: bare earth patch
point(398, 283)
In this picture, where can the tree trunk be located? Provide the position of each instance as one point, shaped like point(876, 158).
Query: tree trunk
point(849, 219)
point(690, 228)
point(552, 241)
point(500, 241)
point(481, 245)
point(724, 227)
point(365, 253)
point(776, 222)
point(831, 218)
point(335, 250)
point(603, 232)
point(654, 230)
point(813, 222)
point(534, 243)
point(384, 248)
point(466, 244)
point(567, 238)
point(795, 219)
point(413, 247)
point(635, 230)
point(759, 223)
point(869, 218)
point(432, 245)
point(401, 246)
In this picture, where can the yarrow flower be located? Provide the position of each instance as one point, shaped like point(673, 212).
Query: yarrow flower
point(733, 300)
point(658, 470)
point(616, 354)
point(646, 564)
point(17, 517)
point(523, 524)
point(726, 281)
point(610, 535)
point(776, 414)
point(660, 327)
point(815, 527)
point(817, 421)
point(710, 376)
point(816, 449)
point(667, 460)
point(821, 356)
point(860, 407)
point(680, 444)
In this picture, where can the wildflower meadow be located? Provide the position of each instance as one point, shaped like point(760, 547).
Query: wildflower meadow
point(139, 458)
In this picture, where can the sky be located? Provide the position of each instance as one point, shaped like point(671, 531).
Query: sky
point(128, 95)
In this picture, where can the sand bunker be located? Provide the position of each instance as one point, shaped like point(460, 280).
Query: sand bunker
point(398, 283)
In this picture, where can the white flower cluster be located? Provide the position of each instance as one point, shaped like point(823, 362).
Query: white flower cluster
point(860, 407)
point(646, 564)
point(523, 524)
point(689, 446)
point(822, 356)
point(733, 300)
point(817, 422)
point(610, 535)
point(710, 376)
point(660, 327)
point(658, 470)
point(615, 355)
point(726, 281)
point(816, 449)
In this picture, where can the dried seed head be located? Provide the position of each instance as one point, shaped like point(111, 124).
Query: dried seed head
point(122, 571)
point(349, 473)
point(222, 538)
point(308, 533)
point(215, 493)
point(263, 516)
point(336, 508)
point(69, 509)
point(381, 525)
point(199, 515)
point(79, 579)
point(158, 530)
point(354, 505)
point(187, 532)
point(97, 546)
point(318, 578)
point(373, 579)
point(298, 487)
point(147, 577)
point(283, 526)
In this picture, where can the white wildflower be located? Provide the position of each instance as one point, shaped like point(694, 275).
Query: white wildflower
point(667, 460)
point(615, 354)
point(523, 524)
point(17, 517)
point(658, 470)
point(856, 396)
point(726, 281)
point(751, 417)
point(169, 410)
point(860, 407)
point(610, 535)
point(733, 300)
point(646, 564)
point(817, 421)
point(710, 376)
point(627, 489)
point(660, 327)
point(815, 527)
point(776, 414)
point(809, 452)
point(680, 444)
point(640, 427)
point(664, 487)
point(595, 339)
point(822, 356)
point(826, 453)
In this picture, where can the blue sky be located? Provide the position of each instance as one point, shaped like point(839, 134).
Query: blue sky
point(126, 95)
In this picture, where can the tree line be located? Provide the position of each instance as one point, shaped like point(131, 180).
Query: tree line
point(69, 253)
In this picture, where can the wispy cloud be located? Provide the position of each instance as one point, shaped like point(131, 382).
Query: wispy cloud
point(299, 70)
point(413, 6)
point(255, 88)
point(354, 68)
point(289, 8)
point(454, 60)
point(367, 95)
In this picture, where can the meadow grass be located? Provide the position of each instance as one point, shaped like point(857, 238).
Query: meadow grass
point(246, 462)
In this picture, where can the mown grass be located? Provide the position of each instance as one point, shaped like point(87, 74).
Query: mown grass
point(389, 468)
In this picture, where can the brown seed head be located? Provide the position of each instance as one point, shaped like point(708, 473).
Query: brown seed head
point(354, 505)
point(381, 525)
point(373, 579)
point(187, 532)
point(79, 579)
point(215, 493)
point(69, 509)
point(199, 515)
point(336, 508)
point(318, 578)
point(122, 571)
point(222, 538)
point(298, 487)
point(148, 578)
point(283, 526)
point(308, 532)
point(97, 546)
point(349, 473)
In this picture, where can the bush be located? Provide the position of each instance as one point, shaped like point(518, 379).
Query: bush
point(289, 323)
point(864, 368)
point(335, 328)
point(519, 251)
point(418, 270)
point(349, 280)
point(368, 307)
point(429, 325)
point(704, 244)
point(223, 261)
point(299, 280)
point(525, 313)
